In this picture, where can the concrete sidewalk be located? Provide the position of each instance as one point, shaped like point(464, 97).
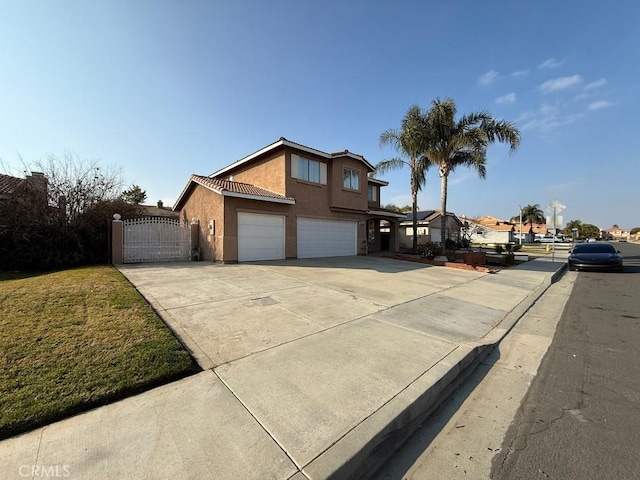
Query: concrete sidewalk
point(312, 369)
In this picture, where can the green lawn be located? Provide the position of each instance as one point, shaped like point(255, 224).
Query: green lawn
point(76, 339)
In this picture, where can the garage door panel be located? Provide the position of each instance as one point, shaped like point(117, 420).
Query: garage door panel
point(326, 238)
point(260, 237)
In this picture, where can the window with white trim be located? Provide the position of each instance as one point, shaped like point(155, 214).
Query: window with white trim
point(308, 170)
point(351, 179)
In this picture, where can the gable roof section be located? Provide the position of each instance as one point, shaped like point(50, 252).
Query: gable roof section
point(228, 188)
point(287, 143)
point(423, 215)
point(9, 184)
point(492, 223)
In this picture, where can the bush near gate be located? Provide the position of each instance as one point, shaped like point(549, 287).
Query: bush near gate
point(32, 239)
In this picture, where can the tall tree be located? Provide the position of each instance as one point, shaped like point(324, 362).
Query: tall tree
point(568, 230)
point(411, 143)
point(76, 185)
point(134, 195)
point(531, 214)
point(461, 143)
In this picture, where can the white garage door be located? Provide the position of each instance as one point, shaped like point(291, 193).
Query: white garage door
point(260, 237)
point(326, 238)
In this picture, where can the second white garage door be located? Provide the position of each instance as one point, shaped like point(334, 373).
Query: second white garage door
point(326, 238)
point(260, 237)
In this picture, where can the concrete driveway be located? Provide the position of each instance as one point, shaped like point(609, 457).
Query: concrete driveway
point(314, 369)
point(227, 312)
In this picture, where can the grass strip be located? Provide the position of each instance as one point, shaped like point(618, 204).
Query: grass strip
point(76, 339)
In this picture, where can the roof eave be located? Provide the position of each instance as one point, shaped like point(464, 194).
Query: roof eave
point(384, 183)
point(384, 213)
point(287, 201)
point(287, 143)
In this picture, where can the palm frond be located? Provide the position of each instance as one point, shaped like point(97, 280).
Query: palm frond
point(388, 165)
point(390, 137)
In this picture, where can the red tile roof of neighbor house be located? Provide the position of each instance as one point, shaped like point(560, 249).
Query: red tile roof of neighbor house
point(494, 223)
point(8, 184)
point(221, 186)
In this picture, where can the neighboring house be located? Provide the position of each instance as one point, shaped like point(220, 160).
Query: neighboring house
point(428, 227)
point(31, 190)
point(616, 233)
point(288, 200)
point(159, 210)
point(488, 229)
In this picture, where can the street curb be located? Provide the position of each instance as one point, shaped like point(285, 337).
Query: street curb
point(388, 428)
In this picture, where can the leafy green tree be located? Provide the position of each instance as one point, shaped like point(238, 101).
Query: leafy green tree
point(395, 208)
point(411, 143)
point(568, 230)
point(530, 214)
point(585, 230)
point(134, 195)
point(634, 230)
point(588, 230)
point(460, 143)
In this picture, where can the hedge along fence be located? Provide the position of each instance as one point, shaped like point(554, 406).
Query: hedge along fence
point(39, 239)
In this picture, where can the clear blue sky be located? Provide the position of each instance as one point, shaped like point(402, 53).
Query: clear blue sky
point(165, 89)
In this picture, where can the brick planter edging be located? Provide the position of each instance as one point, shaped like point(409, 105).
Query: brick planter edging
point(437, 263)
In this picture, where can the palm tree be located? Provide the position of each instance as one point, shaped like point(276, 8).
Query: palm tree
point(461, 143)
point(410, 143)
point(531, 214)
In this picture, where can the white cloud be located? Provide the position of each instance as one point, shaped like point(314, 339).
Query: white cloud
point(547, 109)
point(548, 118)
point(458, 178)
point(560, 83)
point(488, 77)
point(550, 63)
point(599, 104)
point(596, 84)
point(506, 99)
point(520, 73)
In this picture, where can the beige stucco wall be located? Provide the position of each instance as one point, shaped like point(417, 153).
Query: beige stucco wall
point(268, 173)
point(346, 198)
point(206, 206)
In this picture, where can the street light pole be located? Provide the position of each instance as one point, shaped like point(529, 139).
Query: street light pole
point(520, 236)
point(554, 208)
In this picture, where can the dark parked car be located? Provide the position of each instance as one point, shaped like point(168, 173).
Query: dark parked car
point(595, 256)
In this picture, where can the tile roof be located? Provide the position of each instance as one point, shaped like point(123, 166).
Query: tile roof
point(221, 186)
point(493, 223)
point(155, 211)
point(8, 184)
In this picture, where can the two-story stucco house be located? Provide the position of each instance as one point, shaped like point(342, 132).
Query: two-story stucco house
point(288, 201)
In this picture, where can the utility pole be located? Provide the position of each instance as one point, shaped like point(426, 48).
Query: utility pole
point(520, 236)
point(554, 208)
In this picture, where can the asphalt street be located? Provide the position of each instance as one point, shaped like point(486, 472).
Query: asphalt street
point(581, 416)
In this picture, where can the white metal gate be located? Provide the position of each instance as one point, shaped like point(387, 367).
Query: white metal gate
point(156, 239)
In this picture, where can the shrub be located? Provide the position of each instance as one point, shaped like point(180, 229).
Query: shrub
point(428, 250)
point(32, 240)
point(499, 248)
point(450, 244)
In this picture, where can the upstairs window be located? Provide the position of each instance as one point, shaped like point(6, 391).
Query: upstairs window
point(308, 170)
point(351, 179)
point(372, 193)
